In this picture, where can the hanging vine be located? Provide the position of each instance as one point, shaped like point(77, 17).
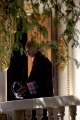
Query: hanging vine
point(24, 22)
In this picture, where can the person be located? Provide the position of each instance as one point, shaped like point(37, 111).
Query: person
point(39, 83)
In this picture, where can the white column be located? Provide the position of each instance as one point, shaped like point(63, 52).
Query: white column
point(63, 88)
point(75, 70)
point(76, 55)
point(3, 86)
point(70, 68)
point(76, 74)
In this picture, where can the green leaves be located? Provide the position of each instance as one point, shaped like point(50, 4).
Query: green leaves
point(47, 12)
point(43, 1)
point(1, 9)
point(18, 35)
point(57, 8)
point(18, 47)
point(69, 3)
point(68, 12)
point(56, 22)
point(70, 30)
point(26, 23)
point(43, 31)
point(77, 63)
point(70, 24)
point(54, 46)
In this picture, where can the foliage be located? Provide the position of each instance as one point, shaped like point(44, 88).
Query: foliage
point(45, 45)
point(25, 23)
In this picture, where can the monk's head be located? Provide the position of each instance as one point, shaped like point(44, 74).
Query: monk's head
point(31, 49)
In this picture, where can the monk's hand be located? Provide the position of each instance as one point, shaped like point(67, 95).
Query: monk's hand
point(22, 88)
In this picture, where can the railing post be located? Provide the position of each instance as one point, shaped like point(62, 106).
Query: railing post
point(61, 111)
point(72, 112)
point(39, 113)
point(28, 114)
point(50, 113)
point(9, 116)
point(18, 115)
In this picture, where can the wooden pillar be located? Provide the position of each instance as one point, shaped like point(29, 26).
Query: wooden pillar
point(28, 114)
point(39, 113)
point(18, 115)
point(50, 113)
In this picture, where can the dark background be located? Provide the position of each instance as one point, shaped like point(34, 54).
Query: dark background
point(18, 70)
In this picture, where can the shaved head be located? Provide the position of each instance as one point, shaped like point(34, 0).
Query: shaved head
point(31, 48)
point(30, 44)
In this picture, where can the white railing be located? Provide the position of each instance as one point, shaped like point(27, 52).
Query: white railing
point(17, 108)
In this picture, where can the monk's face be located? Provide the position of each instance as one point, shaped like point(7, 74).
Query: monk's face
point(31, 50)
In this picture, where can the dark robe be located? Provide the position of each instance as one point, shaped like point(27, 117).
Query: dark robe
point(41, 74)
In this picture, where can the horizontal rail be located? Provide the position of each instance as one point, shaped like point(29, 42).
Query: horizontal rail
point(39, 103)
